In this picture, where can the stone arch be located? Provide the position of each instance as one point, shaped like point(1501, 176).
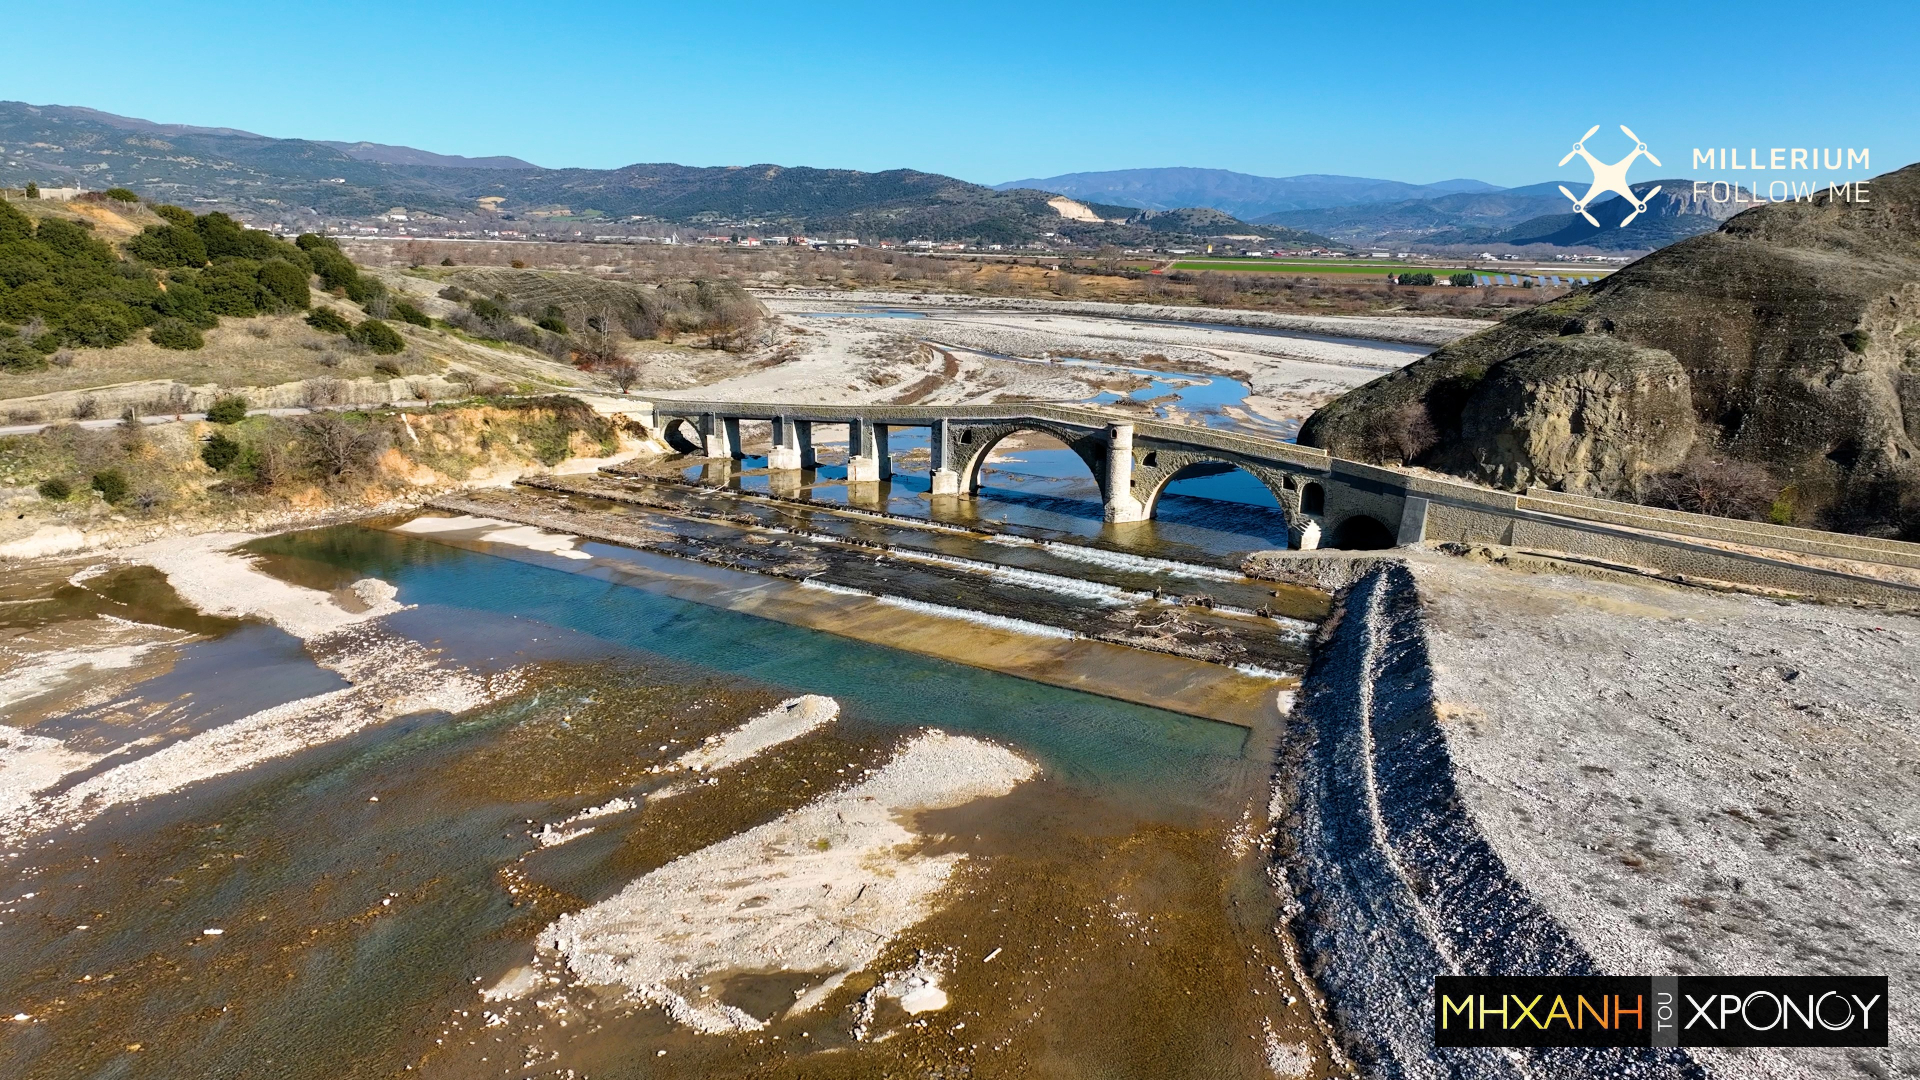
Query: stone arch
point(1362, 532)
point(1313, 498)
point(682, 433)
point(1159, 468)
point(973, 444)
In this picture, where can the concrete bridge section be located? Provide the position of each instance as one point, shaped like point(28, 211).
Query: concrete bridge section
point(1328, 501)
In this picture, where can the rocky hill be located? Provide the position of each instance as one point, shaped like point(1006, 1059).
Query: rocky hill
point(1769, 369)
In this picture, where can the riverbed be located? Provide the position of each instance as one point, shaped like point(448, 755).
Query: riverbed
point(437, 790)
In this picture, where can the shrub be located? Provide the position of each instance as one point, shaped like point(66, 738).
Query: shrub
point(33, 190)
point(219, 451)
point(452, 292)
point(286, 283)
point(552, 323)
point(377, 337)
point(233, 289)
point(112, 485)
point(410, 314)
point(120, 194)
point(230, 409)
point(388, 368)
point(18, 355)
point(328, 321)
point(336, 448)
point(98, 323)
point(171, 333)
point(55, 489)
point(486, 309)
point(448, 261)
point(519, 264)
point(1723, 487)
point(1856, 341)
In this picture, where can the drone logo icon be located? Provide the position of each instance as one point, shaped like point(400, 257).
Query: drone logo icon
point(1609, 178)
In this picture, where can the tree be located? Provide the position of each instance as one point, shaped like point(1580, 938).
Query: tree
point(33, 190)
point(1460, 280)
point(120, 194)
point(624, 373)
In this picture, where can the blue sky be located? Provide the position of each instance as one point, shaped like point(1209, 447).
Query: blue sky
point(998, 91)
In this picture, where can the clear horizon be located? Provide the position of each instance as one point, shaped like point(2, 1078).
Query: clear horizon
point(1410, 93)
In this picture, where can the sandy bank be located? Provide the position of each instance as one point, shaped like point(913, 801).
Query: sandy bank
point(821, 891)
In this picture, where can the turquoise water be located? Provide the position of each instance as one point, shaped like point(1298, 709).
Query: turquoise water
point(483, 608)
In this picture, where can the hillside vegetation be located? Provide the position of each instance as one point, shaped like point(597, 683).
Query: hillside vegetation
point(61, 285)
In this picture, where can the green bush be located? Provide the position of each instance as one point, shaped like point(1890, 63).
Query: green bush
point(549, 322)
point(328, 321)
point(486, 309)
point(33, 190)
point(1462, 280)
point(169, 245)
point(448, 261)
point(111, 484)
point(378, 337)
point(177, 215)
point(98, 323)
point(410, 314)
point(55, 488)
point(233, 289)
point(21, 356)
point(230, 409)
point(1416, 279)
point(171, 333)
point(219, 451)
point(120, 194)
point(286, 283)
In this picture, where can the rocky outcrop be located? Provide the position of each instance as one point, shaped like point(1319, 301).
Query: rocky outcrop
point(1788, 340)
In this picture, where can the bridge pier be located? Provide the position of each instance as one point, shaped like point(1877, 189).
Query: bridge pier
point(1121, 504)
point(946, 480)
point(785, 453)
point(867, 459)
point(720, 437)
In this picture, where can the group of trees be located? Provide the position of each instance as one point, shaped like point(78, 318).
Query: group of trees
point(62, 286)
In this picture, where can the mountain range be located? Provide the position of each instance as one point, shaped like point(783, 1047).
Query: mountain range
point(1240, 194)
point(302, 183)
point(299, 183)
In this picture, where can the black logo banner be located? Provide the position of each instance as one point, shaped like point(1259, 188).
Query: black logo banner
point(1663, 1010)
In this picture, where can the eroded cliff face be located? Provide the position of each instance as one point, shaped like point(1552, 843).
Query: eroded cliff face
point(1789, 340)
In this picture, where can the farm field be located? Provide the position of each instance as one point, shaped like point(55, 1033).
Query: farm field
point(1310, 266)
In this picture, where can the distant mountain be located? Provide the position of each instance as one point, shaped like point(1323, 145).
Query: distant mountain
point(1535, 214)
point(1240, 194)
point(407, 155)
point(298, 182)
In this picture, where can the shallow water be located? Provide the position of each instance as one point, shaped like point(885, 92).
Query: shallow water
point(355, 931)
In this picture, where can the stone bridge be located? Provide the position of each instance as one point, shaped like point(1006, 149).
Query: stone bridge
point(1327, 500)
point(1346, 504)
